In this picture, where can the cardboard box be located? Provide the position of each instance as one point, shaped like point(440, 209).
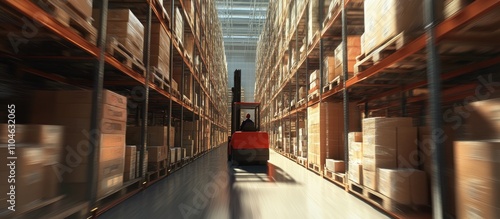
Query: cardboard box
point(130, 150)
point(353, 51)
point(370, 179)
point(157, 153)
point(124, 27)
point(356, 172)
point(105, 169)
point(383, 122)
point(474, 209)
point(173, 155)
point(477, 159)
point(355, 136)
point(478, 190)
point(407, 141)
point(385, 19)
point(336, 166)
point(405, 186)
point(484, 120)
point(157, 135)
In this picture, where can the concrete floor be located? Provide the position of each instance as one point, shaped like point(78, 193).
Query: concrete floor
point(211, 188)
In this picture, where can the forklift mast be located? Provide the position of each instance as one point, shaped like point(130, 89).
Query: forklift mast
point(236, 91)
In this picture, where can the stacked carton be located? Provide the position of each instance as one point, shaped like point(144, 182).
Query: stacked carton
point(478, 178)
point(314, 82)
point(476, 161)
point(130, 163)
point(336, 166)
point(157, 140)
point(328, 69)
point(160, 49)
point(313, 25)
point(353, 50)
point(124, 27)
point(38, 149)
point(356, 157)
point(72, 109)
point(387, 143)
point(302, 150)
point(179, 26)
point(405, 186)
point(302, 92)
point(388, 18)
point(326, 131)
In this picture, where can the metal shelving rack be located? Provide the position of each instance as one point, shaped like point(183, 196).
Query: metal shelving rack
point(387, 87)
point(96, 69)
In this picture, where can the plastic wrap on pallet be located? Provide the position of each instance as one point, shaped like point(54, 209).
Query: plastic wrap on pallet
point(314, 24)
point(353, 50)
point(386, 19)
point(124, 27)
point(160, 49)
point(405, 186)
point(477, 178)
point(179, 26)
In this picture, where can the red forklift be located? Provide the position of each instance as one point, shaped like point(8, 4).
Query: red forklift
point(247, 144)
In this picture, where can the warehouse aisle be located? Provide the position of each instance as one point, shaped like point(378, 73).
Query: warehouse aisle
point(209, 188)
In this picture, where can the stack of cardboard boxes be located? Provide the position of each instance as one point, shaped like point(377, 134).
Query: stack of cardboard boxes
point(314, 82)
point(476, 162)
point(313, 25)
point(353, 51)
point(389, 150)
point(157, 140)
point(356, 157)
point(124, 27)
point(179, 26)
point(72, 109)
point(160, 49)
point(386, 19)
point(302, 150)
point(326, 131)
point(130, 163)
point(328, 69)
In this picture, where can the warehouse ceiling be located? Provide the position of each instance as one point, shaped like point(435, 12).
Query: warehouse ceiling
point(242, 22)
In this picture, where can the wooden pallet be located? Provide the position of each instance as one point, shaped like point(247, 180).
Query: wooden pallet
point(334, 83)
point(314, 95)
point(69, 17)
point(301, 102)
point(337, 178)
point(119, 52)
point(157, 166)
point(392, 45)
point(315, 168)
point(158, 78)
point(302, 161)
point(384, 202)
